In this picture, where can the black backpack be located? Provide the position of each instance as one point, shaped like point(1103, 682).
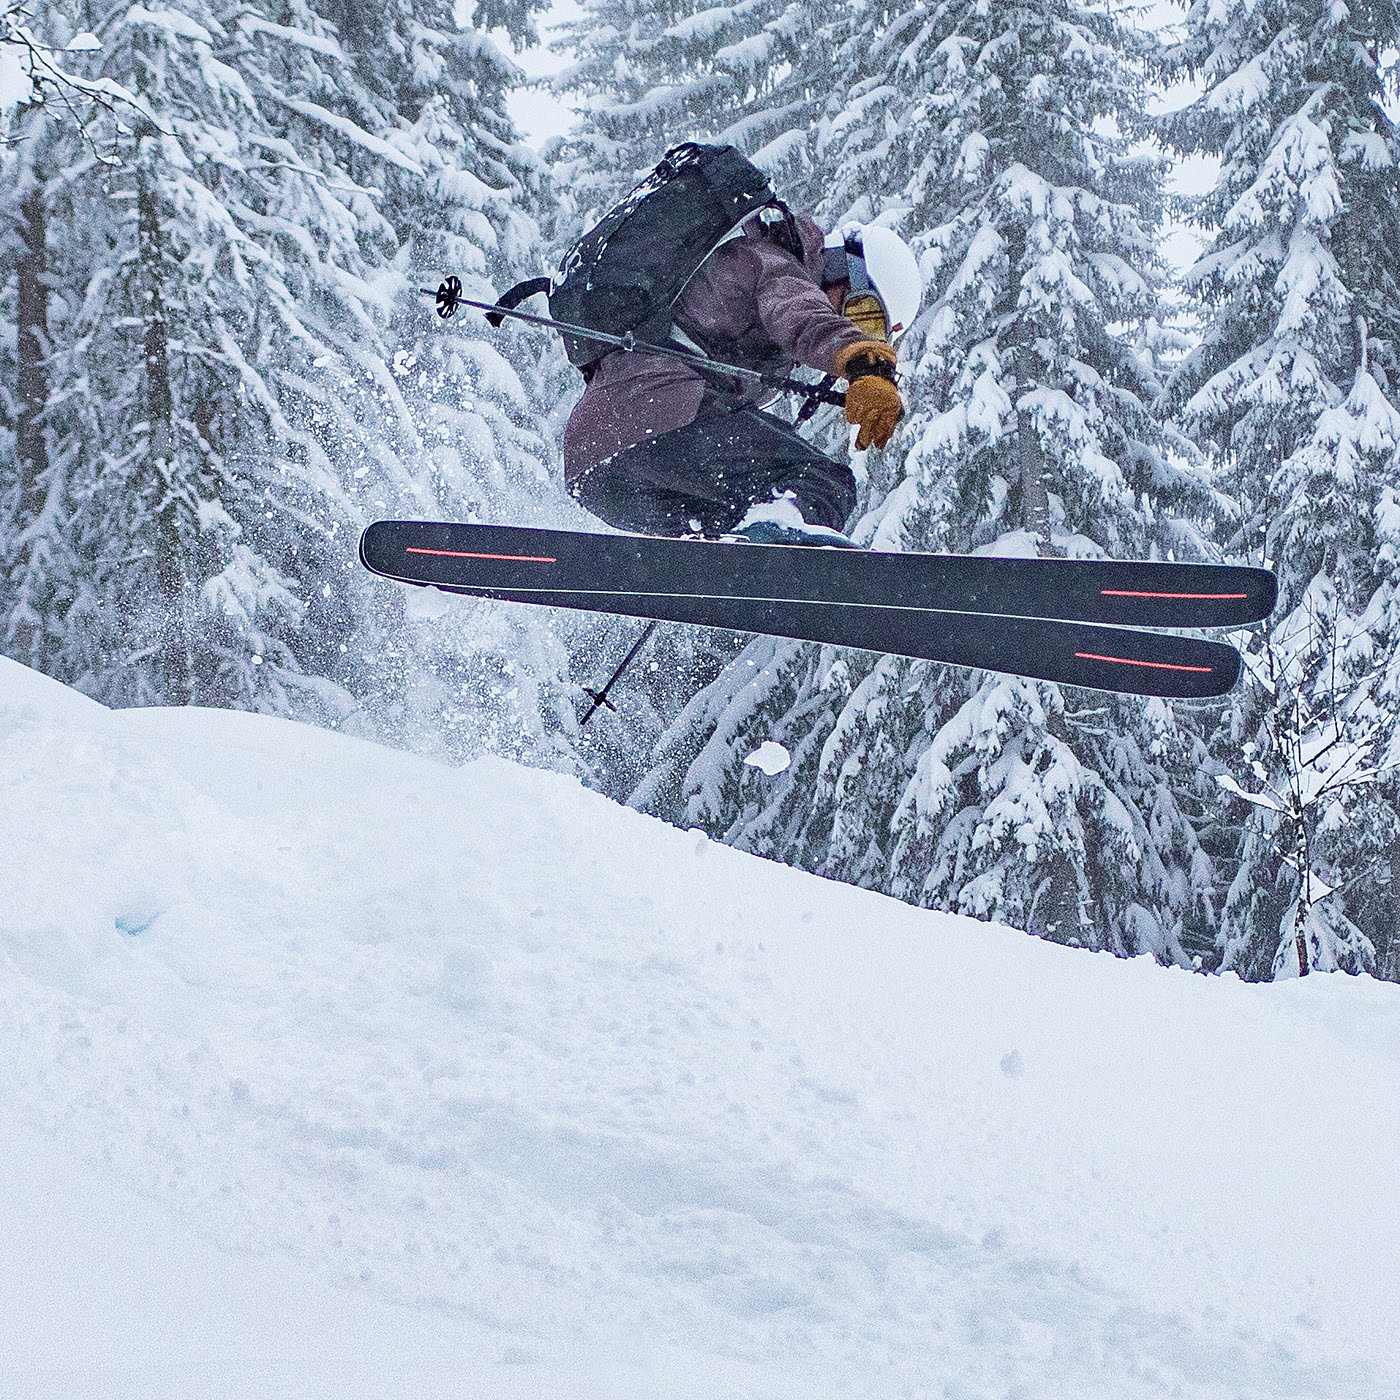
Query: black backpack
point(629, 270)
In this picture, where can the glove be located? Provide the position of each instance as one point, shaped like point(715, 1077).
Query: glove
point(872, 400)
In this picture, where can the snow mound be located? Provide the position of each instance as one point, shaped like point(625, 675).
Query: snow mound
point(496, 1088)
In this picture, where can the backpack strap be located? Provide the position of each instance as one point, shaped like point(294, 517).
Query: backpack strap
point(779, 225)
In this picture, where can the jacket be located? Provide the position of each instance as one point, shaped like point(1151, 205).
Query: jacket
point(752, 303)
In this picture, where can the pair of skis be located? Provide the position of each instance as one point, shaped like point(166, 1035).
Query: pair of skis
point(1072, 621)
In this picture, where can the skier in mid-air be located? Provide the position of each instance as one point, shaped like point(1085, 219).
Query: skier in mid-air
point(694, 294)
point(660, 447)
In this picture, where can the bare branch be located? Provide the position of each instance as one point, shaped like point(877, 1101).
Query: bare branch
point(51, 80)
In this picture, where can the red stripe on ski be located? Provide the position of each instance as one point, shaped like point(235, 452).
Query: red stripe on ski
point(469, 554)
point(1138, 593)
point(1151, 665)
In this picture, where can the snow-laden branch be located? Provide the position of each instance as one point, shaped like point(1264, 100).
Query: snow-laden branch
point(52, 80)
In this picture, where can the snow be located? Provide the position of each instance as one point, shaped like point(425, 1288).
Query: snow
point(333, 1072)
point(317, 43)
point(770, 757)
point(175, 24)
point(345, 127)
point(704, 24)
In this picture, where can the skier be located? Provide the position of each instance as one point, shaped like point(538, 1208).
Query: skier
point(666, 442)
point(661, 448)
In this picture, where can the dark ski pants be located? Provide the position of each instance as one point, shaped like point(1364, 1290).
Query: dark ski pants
point(702, 478)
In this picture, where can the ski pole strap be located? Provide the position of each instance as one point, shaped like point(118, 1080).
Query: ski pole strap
point(508, 301)
point(827, 386)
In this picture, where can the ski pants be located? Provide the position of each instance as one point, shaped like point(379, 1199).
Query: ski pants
point(703, 477)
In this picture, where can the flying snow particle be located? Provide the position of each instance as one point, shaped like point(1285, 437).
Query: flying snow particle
point(770, 756)
point(428, 604)
point(1012, 1065)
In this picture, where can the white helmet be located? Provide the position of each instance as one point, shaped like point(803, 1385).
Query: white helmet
point(872, 257)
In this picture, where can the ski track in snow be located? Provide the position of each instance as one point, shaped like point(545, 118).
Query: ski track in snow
point(505, 1090)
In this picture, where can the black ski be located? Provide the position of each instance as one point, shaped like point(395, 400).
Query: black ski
point(562, 569)
point(491, 558)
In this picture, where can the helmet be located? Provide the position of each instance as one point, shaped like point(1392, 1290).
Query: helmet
point(875, 259)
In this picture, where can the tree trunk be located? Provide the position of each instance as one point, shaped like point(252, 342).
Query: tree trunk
point(32, 349)
point(159, 406)
point(1300, 911)
point(1388, 961)
point(21, 628)
point(162, 472)
point(1035, 497)
point(1030, 455)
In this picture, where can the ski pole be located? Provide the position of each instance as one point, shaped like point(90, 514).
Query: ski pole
point(449, 298)
point(600, 697)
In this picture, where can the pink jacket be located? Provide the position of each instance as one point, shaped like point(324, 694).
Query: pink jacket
point(753, 301)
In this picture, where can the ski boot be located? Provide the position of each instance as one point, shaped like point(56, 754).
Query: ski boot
point(781, 522)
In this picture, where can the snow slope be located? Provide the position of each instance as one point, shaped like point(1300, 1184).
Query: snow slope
point(332, 1072)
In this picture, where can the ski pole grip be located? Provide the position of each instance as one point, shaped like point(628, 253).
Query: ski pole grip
point(508, 301)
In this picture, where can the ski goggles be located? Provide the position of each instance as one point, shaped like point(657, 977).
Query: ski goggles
point(862, 304)
point(867, 311)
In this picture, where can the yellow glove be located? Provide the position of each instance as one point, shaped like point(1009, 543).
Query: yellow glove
point(872, 399)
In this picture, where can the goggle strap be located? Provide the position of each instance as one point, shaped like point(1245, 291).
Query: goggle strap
point(846, 264)
point(855, 265)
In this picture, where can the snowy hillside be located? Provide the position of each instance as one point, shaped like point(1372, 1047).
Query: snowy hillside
point(330, 1072)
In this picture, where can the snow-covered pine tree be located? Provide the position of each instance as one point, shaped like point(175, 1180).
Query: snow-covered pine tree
point(242, 370)
point(40, 41)
point(1000, 141)
point(24, 396)
point(173, 587)
point(1294, 388)
point(465, 412)
point(649, 75)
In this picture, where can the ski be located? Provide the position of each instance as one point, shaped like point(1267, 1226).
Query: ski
point(491, 558)
point(495, 562)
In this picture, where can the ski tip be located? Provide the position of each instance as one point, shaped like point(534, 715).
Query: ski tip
point(1191, 595)
point(1260, 587)
point(1228, 670)
point(380, 548)
point(1268, 593)
point(1203, 671)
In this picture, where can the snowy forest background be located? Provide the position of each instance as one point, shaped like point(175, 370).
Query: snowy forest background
point(216, 367)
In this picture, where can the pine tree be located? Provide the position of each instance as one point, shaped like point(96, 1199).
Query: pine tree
point(1001, 143)
point(242, 372)
point(648, 76)
point(1294, 389)
point(469, 414)
point(24, 525)
point(44, 40)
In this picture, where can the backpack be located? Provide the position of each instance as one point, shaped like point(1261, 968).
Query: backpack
point(629, 270)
